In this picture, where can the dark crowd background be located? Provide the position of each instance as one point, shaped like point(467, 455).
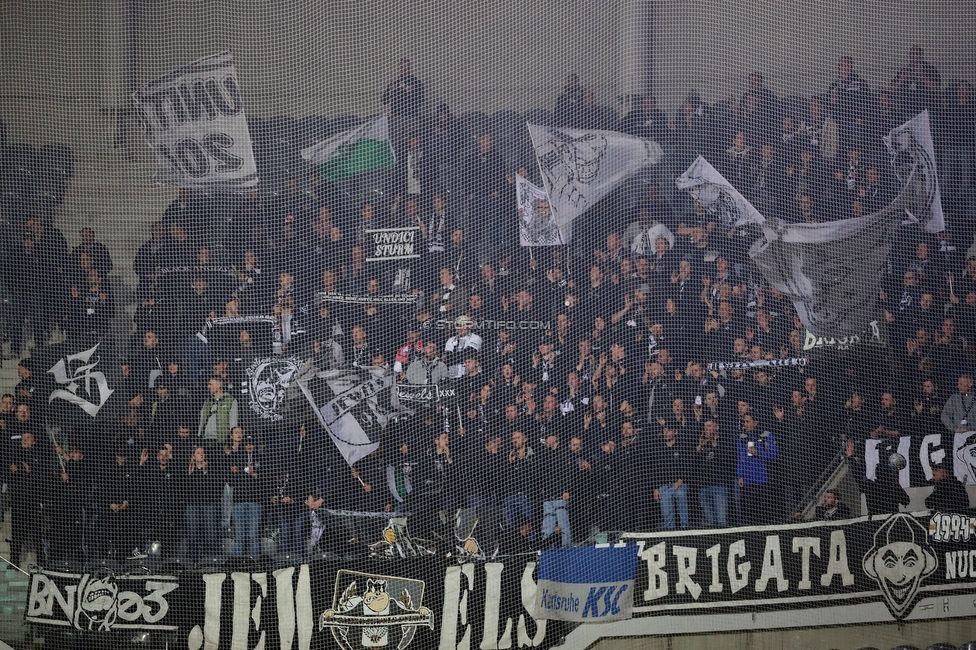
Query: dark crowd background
point(590, 408)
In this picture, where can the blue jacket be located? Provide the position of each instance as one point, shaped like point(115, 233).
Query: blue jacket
point(753, 468)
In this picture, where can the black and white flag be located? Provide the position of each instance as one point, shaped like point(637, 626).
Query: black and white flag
point(537, 225)
point(194, 119)
point(579, 167)
point(705, 184)
point(831, 271)
point(911, 149)
point(354, 405)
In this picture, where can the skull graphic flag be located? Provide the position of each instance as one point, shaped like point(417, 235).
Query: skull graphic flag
point(580, 167)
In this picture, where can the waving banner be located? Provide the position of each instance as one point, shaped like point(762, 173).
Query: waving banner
point(354, 405)
point(580, 167)
point(194, 119)
point(707, 186)
point(537, 226)
point(911, 148)
point(362, 149)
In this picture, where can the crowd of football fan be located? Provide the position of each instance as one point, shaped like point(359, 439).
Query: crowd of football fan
point(574, 385)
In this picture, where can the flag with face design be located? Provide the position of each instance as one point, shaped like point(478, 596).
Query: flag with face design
point(579, 167)
point(911, 150)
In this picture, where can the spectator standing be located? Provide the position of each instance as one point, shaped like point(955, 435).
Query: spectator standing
point(554, 463)
point(958, 414)
point(569, 102)
point(247, 481)
point(520, 486)
point(405, 94)
point(672, 462)
point(218, 415)
point(848, 96)
point(916, 86)
point(755, 449)
point(715, 464)
point(203, 485)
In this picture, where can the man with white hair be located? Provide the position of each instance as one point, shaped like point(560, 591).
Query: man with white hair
point(456, 348)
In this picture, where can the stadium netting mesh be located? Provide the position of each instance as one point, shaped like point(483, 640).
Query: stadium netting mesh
point(316, 293)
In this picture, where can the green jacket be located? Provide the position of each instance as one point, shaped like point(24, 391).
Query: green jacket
point(217, 418)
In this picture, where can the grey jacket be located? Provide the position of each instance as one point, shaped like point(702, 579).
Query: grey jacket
point(960, 412)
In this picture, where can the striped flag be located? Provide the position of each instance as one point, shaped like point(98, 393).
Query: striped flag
point(363, 149)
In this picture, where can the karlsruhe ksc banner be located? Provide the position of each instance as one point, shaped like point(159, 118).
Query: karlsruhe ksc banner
point(900, 567)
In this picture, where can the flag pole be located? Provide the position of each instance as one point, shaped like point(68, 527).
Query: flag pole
point(54, 442)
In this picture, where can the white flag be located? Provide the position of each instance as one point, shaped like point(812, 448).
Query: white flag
point(354, 405)
point(194, 118)
point(911, 148)
point(580, 167)
point(831, 271)
point(704, 183)
point(537, 226)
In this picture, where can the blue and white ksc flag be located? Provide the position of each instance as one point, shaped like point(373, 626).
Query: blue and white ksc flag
point(585, 584)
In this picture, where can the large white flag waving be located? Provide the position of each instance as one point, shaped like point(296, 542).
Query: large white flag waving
point(831, 271)
point(537, 226)
point(716, 194)
point(194, 118)
point(580, 167)
point(911, 149)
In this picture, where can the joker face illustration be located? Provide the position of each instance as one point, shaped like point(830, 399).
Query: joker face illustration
point(899, 561)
